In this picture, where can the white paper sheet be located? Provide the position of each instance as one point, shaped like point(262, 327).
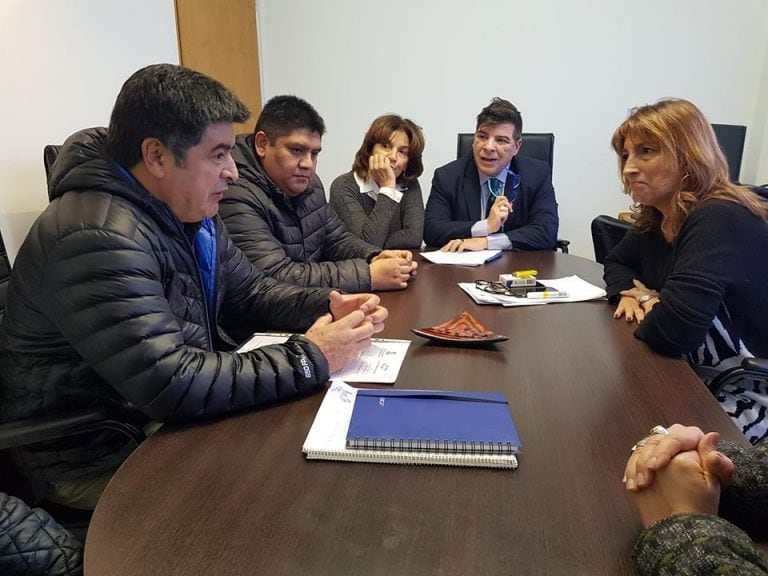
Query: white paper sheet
point(578, 290)
point(467, 258)
point(379, 363)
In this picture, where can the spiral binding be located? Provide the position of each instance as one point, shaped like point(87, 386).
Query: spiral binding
point(438, 446)
point(508, 461)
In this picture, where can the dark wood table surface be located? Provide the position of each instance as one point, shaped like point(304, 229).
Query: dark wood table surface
point(236, 496)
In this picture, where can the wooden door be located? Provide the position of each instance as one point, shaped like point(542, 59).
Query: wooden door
point(218, 38)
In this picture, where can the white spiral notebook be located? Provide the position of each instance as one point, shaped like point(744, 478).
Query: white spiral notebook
point(327, 439)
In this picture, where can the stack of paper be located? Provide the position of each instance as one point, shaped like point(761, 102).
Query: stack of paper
point(578, 290)
point(467, 258)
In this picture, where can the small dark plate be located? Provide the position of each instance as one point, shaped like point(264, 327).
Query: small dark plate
point(462, 329)
point(476, 340)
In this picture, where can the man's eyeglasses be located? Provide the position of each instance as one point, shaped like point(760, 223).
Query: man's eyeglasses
point(501, 288)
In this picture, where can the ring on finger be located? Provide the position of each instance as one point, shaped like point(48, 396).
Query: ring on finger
point(657, 430)
point(638, 445)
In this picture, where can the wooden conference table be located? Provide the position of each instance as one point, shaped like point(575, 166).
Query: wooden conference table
point(237, 497)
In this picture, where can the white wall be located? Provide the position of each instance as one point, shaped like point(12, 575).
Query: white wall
point(759, 154)
point(63, 65)
point(573, 68)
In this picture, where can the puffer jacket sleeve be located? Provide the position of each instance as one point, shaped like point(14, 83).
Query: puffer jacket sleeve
point(33, 544)
point(247, 213)
point(251, 298)
point(123, 325)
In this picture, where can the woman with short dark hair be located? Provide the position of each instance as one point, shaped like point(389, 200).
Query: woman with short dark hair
point(380, 199)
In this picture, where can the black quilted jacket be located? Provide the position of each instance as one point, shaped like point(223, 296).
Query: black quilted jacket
point(33, 544)
point(106, 305)
point(298, 240)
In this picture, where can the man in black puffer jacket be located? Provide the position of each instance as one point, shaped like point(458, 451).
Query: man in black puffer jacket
point(277, 213)
point(33, 544)
point(128, 287)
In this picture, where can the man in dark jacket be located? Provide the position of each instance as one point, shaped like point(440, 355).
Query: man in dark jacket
point(277, 213)
point(33, 544)
point(127, 287)
point(493, 198)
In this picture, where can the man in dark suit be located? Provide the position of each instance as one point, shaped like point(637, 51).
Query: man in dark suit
point(493, 199)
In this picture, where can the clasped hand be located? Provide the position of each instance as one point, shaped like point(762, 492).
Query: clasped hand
point(347, 330)
point(392, 270)
point(631, 307)
point(681, 472)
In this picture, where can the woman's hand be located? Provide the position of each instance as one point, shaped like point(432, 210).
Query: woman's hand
point(380, 168)
point(654, 452)
point(690, 481)
point(636, 302)
point(685, 486)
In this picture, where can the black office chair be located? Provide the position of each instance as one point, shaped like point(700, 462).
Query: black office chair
point(731, 138)
point(750, 367)
point(5, 274)
point(607, 231)
point(537, 145)
point(50, 153)
point(761, 191)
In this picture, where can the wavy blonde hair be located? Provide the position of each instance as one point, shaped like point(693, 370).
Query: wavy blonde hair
point(686, 141)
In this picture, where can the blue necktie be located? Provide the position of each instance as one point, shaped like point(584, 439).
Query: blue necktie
point(496, 187)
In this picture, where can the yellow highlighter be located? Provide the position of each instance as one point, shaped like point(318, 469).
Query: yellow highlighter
point(525, 273)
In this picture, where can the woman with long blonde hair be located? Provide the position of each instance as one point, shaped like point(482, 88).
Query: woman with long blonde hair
point(692, 271)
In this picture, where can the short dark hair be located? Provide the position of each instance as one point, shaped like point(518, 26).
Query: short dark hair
point(500, 111)
point(171, 103)
point(282, 115)
point(379, 133)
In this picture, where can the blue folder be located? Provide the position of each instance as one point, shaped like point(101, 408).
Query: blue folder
point(432, 421)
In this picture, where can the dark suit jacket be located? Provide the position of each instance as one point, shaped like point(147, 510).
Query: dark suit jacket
point(454, 204)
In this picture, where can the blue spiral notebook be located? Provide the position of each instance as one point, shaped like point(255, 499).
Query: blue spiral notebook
point(432, 421)
point(328, 436)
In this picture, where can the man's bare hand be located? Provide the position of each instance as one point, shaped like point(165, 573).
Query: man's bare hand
point(499, 213)
point(391, 273)
point(341, 341)
point(369, 304)
point(462, 244)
